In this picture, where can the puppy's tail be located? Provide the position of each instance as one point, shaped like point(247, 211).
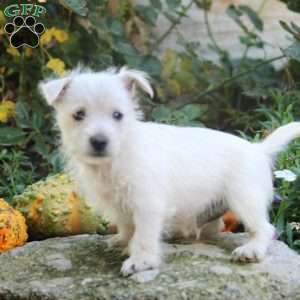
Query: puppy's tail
point(280, 138)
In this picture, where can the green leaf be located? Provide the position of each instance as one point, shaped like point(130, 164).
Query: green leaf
point(148, 14)
point(171, 17)
point(37, 121)
point(294, 30)
point(295, 27)
point(11, 136)
point(289, 234)
point(57, 161)
point(293, 5)
point(293, 51)
point(116, 27)
point(253, 16)
point(161, 113)
point(40, 146)
point(133, 61)
point(286, 27)
point(173, 4)
point(126, 48)
point(104, 59)
point(280, 217)
point(192, 111)
point(151, 65)
point(204, 4)
point(179, 117)
point(194, 124)
point(156, 4)
point(251, 41)
point(233, 12)
point(23, 115)
point(170, 59)
point(77, 6)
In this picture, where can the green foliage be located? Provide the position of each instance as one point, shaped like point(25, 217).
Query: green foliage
point(293, 5)
point(239, 95)
point(185, 116)
point(204, 4)
point(18, 172)
point(148, 14)
point(77, 6)
point(250, 37)
point(293, 29)
point(293, 51)
point(283, 111)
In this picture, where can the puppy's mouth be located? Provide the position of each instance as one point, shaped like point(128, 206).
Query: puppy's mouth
point(100, 154)
point(94, 158)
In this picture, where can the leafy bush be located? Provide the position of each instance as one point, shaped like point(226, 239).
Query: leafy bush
point(293, 5)
point(245, 95)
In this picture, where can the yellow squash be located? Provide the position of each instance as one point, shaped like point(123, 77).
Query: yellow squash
point(52, 208)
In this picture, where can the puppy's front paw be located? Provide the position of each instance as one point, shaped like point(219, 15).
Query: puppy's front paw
point(138, 264)
point(249, 253)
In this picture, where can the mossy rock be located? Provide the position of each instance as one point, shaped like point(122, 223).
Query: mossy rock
point(82, 267)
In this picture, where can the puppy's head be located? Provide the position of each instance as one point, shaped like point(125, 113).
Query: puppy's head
point(95, 111)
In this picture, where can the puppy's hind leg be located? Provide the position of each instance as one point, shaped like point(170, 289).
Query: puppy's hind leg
point(212, 229)
point(251, 206)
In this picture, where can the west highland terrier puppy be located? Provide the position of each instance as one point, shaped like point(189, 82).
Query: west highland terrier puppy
point(150, 178)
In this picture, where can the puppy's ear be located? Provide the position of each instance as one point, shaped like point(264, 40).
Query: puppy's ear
point(132, 78)
point(53, 90)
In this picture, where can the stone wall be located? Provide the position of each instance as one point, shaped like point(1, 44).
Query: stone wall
point(226, 31)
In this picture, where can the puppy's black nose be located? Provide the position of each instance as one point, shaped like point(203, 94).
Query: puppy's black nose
point(98, 143)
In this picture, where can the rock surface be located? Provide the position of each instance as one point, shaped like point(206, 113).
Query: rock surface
point(83, 268)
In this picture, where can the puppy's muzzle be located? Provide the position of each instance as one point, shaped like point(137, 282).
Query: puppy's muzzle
point(99, 145)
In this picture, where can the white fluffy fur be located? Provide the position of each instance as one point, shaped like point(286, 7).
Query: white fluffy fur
point(157, 178)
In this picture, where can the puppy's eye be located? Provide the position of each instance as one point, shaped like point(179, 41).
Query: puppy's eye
point(117, 115)
point(79, 115)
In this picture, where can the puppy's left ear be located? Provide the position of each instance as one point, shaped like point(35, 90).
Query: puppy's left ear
point(133, 78)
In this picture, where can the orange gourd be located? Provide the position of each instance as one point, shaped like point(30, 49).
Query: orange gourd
point(13, 229)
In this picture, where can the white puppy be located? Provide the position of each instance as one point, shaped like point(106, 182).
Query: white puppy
point(152, 178)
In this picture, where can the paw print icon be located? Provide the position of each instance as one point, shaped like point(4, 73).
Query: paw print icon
point(24, 32)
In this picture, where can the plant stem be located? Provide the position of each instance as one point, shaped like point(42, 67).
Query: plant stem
point(21, 88)
point(245, 53)
point(2, 85)
point(259, 11)
point(172, 26)
point(237, 76)
point(210, 33)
